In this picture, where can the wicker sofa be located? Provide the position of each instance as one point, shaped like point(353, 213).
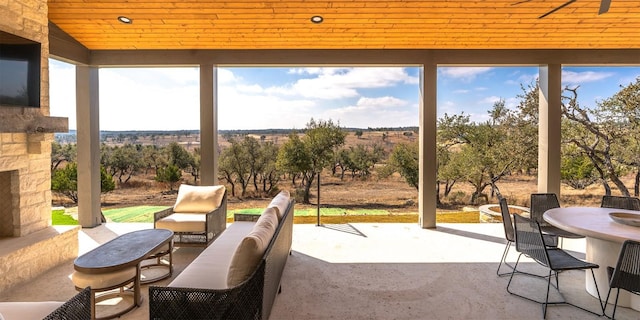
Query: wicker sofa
point(225, 283)
point(76, 308)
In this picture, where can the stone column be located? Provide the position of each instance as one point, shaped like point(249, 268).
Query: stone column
point(428, 131)
point(88, 135)
point(208, 125)
point(549, 128)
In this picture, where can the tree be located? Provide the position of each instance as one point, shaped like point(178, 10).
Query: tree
point(194, 165)
point(312, 153)
point(179, 156)
point(62, 153)
point(595, 131)
point(122, 161)
point(65, 181)
point(293, 158)
point(484, 152)
point(405, 160)
point(577, 170)
point(358, 134)
point(624, 106)
point(360, 159)
point(170, 175)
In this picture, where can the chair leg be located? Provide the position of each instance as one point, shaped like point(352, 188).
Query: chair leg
point(546, 299)
point(615, 306)
point(503, 259)
point(513, 272)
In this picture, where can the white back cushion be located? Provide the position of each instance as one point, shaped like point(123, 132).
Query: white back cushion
point(198, 199)
point(248, 253)
point(280, 202)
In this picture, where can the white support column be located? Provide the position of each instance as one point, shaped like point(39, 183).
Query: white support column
point(549, 128)
point(88, 136)
point(428, 131)
point(208, 125)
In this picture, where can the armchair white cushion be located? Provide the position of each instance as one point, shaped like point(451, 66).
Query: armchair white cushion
point(198, 199)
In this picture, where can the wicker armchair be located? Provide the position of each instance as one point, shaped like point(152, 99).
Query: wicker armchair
point(626, 274)
point(628, 203)
point(198, 216)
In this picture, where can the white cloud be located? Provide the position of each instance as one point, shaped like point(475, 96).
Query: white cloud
point(226, 76)
point(369, 112)
point(239, 110)
point(338, 83)
point(129, 104)
point(62, 92)
point(463, 73)
point(490, 100)
point(573, 78)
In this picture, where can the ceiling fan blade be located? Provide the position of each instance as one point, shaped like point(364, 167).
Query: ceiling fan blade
point(604, 6)
point(558, 8)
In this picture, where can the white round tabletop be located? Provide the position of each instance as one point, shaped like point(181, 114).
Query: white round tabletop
point(593, 222)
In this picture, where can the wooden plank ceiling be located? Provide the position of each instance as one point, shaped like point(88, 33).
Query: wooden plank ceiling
point(348, 24)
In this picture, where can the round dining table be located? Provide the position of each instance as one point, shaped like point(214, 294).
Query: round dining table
point(604, 238)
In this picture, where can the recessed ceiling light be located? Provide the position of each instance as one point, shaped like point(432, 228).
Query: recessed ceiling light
point(317, 19)
point(125, 20)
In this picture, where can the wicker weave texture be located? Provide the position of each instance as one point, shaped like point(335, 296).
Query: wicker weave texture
point(627, 273)
point(251, 299)
point(541, 202)
point(240, 302)
point(628, 203)
point(76, 308)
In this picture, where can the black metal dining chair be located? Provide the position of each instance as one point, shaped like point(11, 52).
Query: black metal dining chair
point(626, 274)
point(529, 242)
point(541, 202)
point(509, 235)
point(617, 202)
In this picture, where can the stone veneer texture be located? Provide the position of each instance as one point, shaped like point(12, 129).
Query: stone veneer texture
point(28, 154)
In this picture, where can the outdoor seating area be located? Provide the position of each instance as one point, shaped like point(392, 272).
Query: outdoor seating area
point(399, 271)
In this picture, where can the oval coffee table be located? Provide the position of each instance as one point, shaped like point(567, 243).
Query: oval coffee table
point(126, 251)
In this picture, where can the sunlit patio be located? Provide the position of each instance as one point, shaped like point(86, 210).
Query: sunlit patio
point(375, 271)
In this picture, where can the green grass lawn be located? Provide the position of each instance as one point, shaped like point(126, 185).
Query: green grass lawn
point(328, 215)
point(132, 214)
point(59, 218)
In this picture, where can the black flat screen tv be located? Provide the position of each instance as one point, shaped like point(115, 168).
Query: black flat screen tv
point(20, 75)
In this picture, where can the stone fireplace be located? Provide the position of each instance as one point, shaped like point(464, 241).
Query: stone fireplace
point(29, 245)
point(9, 200)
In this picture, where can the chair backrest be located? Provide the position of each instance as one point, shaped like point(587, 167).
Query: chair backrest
point(629, 203)
point(509, 233)
point(627, 272)
point(541, 202)
point(529, 240)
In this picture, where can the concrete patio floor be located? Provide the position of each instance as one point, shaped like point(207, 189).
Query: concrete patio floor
point(376, 271)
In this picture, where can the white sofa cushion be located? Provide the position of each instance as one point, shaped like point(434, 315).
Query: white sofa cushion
point(248, 253)
point(183, 222)
point(27, 310)
point(198, 199)
point(280, 202)
point(209, 269)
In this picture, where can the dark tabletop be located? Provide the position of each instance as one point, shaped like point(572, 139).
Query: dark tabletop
point(124, 251)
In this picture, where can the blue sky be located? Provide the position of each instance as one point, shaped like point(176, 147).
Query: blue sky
point(287, 97)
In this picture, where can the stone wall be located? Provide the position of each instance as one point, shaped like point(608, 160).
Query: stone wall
point(23, 259)
point(28, 154)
